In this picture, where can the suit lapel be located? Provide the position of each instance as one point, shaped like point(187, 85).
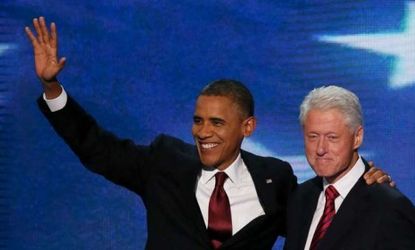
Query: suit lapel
point(263, 184)
point(188, 186)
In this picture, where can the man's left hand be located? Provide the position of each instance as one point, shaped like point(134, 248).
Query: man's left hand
point(376, 175)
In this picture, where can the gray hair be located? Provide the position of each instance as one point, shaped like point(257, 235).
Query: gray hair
point(333, 97)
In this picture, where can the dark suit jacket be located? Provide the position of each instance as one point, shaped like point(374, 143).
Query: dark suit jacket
point(164, 174)
point(370, 217)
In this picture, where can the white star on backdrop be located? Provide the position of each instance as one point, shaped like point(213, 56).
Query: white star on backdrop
point(401, 45)
point(5, 47)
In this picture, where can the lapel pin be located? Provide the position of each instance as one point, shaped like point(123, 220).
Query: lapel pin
point(268, 181)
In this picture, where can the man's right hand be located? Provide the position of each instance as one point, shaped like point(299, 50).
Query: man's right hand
point(45, 52)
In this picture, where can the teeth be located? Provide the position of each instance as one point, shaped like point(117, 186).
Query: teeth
point(208, 145)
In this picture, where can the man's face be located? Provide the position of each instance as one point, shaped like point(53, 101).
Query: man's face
point(330, 145)
point(218, 130)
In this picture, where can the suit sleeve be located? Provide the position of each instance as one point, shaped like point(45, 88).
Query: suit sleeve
point(290, 184)
point(120, 161)
point(398, 225)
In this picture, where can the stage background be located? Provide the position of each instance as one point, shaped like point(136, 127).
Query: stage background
point(137, 67)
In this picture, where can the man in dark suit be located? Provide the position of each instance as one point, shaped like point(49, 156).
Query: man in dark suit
point(336, 209)
point(176, 179)
point(247, 208)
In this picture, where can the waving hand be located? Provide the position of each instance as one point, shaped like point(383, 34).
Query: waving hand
point(47, 65)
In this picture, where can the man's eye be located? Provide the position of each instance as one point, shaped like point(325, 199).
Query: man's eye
point(197, 121)
point(333, 137)
point(217, 123)
point(312, 137)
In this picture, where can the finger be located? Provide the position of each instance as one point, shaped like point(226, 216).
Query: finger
point(370, 181)
point(382, 179)
point(38, 30)
point(61, 63)
point(370, 176)
point(53, 36)
point(44, 29)
point(371, 164)
point(31, 37)
point(370, 173)
point(380, 176)
point(392, 184)
point(389, 179)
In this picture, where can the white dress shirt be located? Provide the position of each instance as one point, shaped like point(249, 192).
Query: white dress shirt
point(57, 103)
point(239, 187)
point(343, 186)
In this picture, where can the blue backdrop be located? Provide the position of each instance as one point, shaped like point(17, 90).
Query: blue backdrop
point(137, 67)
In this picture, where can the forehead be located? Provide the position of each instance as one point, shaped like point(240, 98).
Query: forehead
point(331, 119)
point(216, 105)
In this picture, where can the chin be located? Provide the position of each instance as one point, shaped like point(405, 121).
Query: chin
point(207, 163)
point(323, 174)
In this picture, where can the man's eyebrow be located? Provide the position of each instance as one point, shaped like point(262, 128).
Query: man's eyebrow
point(216, 119)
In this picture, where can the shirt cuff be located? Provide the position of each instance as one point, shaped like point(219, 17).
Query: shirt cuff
point(57, 103)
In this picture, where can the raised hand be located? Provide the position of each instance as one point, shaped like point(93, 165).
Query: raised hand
point(45, 49)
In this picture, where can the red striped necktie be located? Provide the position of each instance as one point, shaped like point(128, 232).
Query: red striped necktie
point(219, 220)
point(328, 214)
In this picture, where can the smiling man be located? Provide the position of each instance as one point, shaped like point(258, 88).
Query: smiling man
point(336, 209)
point(223, 117)
point(221, 121)
point(212, 195)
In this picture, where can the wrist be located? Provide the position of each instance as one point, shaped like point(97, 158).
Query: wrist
point(52, 88)
point(50, 82)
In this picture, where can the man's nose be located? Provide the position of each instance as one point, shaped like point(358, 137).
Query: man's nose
point(205, 131)
point(321, 147)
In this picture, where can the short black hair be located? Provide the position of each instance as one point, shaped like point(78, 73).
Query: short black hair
point(235, 90)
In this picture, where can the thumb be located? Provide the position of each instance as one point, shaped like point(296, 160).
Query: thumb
point(62, 62)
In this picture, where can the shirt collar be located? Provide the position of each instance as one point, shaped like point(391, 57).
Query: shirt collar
point(234, 171)
point(346, 183)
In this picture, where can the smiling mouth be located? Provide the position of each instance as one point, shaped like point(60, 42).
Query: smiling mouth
point(207, 146)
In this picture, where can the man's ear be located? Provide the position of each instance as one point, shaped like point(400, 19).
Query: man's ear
point(358, 137)
point(249, 126)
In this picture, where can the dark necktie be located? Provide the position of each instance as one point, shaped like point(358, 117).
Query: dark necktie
point(219, 220)
point(328, 214)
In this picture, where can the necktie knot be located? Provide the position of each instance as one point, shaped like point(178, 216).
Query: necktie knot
point(220, 178)
point(331, 193)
